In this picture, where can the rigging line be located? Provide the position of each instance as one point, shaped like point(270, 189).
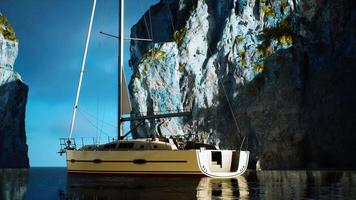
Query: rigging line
point(149, 15)
point(231, 110)
point(88, 137)
point(101, 24)
point(102, 124)
point(144, 19)
point(96, 129)
point(93, 124)
point(97, 111)
point(91, 115)
point(171, 18)
point(222, 85)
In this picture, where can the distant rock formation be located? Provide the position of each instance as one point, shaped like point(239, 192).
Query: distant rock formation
point(13, 98)
point(285, 67)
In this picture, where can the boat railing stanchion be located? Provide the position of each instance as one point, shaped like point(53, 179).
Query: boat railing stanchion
point(74, 144)
point(68, 143)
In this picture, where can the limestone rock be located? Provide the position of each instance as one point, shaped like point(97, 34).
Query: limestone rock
point(13, 98)
point(280, 73)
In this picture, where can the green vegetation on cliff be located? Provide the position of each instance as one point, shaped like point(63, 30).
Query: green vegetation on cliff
point(6, 29)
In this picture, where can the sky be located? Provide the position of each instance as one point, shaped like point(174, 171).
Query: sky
point(52, 37)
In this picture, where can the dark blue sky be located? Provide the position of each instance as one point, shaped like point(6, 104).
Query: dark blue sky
point(52, 36)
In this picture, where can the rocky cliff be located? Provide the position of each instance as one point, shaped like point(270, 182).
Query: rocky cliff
point(280, 73)
point(13, 98)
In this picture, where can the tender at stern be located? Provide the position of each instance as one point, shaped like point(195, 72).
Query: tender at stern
point(222, 163)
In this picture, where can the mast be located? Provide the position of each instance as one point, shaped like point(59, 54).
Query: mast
point(82, 72)
point(121, 63)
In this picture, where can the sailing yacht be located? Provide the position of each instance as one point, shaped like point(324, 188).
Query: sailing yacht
point(146, 156)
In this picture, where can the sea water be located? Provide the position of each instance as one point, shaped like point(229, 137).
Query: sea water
point(55, 183)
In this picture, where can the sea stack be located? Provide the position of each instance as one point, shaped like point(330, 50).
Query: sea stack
point(280, 72)
point(13, 98)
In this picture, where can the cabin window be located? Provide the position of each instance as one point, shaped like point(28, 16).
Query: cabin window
point(110, 146)
point(155, 146)
point(126, 145)
point(142, 146)
point(216, 157)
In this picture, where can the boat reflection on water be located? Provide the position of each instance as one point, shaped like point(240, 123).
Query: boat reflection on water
point(111, 187)
point(254, 185)
point(13, 183)
point(115, 187)
point(55, 183)
point(234, 188)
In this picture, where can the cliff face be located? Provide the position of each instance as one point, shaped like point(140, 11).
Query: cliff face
point(280, 73)
point(13, 98)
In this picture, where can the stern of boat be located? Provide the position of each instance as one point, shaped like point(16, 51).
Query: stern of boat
point(222, 163)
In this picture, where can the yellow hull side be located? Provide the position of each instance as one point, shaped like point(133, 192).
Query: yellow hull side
point(133, 162)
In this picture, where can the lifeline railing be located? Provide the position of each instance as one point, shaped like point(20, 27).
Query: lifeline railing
point(77, 143)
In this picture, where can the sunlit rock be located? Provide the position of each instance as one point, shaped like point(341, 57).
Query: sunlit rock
point(13, 98)
point(278, 72)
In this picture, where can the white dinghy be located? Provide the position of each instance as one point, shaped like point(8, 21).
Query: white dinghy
point(222, 163)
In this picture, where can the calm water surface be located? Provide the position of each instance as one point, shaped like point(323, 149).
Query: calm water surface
point(55, 183)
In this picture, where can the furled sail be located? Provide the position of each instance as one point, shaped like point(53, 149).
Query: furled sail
point(125, 100)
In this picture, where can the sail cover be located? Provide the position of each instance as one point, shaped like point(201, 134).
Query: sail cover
point(125, 100)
